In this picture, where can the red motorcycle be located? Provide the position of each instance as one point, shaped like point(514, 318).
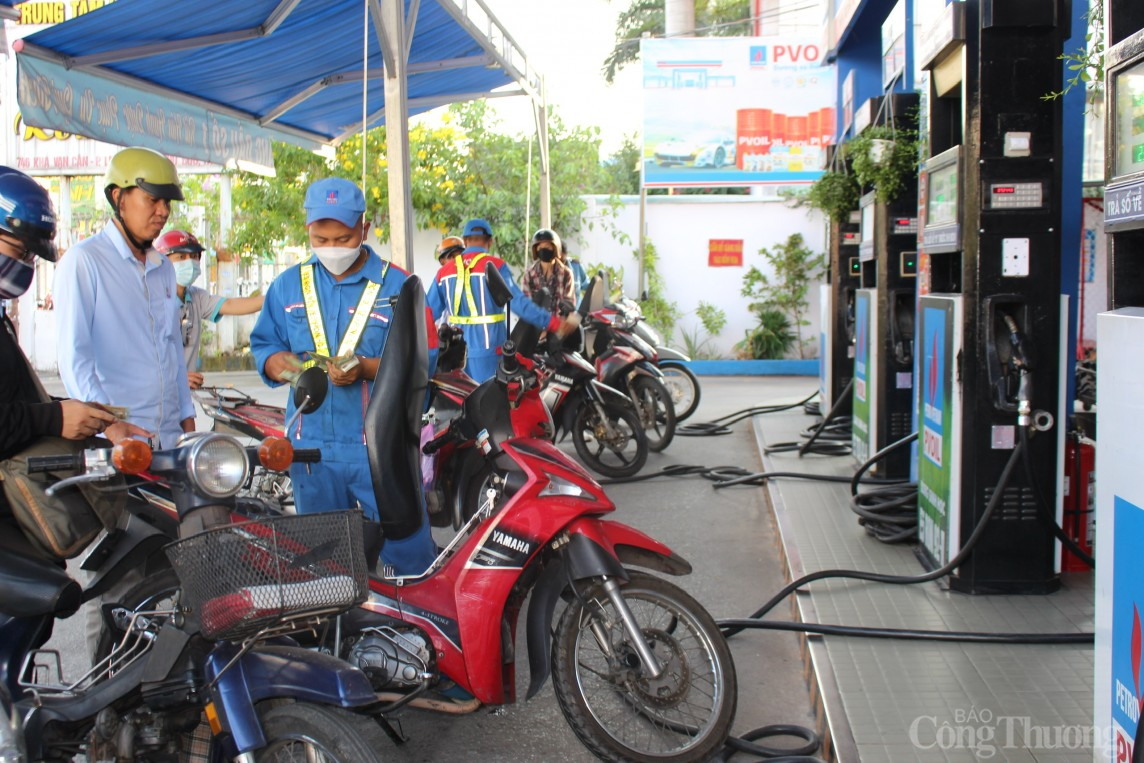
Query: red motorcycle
point(640, 669)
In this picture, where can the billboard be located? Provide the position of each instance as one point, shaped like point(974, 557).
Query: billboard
point(735, 111)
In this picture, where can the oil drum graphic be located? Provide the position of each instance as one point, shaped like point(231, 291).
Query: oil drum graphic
point(753, 134)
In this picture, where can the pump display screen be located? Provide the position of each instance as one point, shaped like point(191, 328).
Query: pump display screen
point(1128, 124)
point(941, 202)
point(868, 222)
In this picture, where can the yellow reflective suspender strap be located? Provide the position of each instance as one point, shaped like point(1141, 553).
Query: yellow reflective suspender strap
point(463, 281)
point(313, 313)
point(357, 323)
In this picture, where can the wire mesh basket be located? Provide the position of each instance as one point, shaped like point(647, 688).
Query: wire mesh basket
point(244, 577)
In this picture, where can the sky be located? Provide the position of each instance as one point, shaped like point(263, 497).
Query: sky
point(567, 42)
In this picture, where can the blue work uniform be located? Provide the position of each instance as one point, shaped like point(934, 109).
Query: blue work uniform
point(485, 327)
point(342, 479)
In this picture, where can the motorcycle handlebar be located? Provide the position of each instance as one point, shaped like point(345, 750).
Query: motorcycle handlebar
point(307, 455)
point(72, 462)
point(301, 455)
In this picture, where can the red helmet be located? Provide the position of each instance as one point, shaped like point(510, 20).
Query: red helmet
point(178, 242)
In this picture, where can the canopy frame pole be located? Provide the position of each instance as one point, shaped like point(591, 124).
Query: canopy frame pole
point(540, 112)
point(389, 19)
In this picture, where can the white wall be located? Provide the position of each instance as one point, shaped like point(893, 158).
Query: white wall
point(680, 227)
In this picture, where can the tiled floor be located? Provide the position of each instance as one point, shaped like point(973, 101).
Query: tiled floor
point(890, 701)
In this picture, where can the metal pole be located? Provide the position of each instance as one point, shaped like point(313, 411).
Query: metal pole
point(541, 109)
point(392, 16)
point(642, 240)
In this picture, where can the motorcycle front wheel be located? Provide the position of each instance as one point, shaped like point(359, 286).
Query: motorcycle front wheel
point(657, 412)
point(617, 710)
point(683, 386)
point(319, 734)
point(615, 446)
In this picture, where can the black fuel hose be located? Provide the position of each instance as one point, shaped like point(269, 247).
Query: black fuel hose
point(875, 577)
point(722, 425)
point(890, 513)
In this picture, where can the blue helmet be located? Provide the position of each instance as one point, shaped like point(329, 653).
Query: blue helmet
point(26, 213)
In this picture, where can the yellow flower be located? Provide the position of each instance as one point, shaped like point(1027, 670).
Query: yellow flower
point(437, 206)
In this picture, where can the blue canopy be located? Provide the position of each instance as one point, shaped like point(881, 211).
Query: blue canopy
point(292, 67)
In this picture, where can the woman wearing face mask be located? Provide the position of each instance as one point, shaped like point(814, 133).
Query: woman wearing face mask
point(27, 230)
point(185, 253)
point(548, 271)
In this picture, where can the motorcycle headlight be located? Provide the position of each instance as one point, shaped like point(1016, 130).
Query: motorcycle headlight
point(217, 466)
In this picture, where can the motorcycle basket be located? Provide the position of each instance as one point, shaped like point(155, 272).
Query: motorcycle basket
point(245, 577)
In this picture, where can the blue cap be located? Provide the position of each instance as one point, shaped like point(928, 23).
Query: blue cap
point(478, 227)
point(334, 199)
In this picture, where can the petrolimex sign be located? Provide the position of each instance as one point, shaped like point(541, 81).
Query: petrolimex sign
point(736, 111)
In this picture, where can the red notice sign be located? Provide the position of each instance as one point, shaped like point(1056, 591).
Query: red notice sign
point(725, 252)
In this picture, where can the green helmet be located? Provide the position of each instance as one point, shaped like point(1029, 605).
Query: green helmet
point(147, 169)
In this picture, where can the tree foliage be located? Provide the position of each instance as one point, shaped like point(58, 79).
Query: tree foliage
point(713, 18)
point(464, 167)
point(794, 267)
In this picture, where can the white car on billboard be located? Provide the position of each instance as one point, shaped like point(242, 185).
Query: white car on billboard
point(708, 151)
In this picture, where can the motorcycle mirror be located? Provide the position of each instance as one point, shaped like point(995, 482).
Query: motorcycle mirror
point(310, 389)
point(309, 393)
point(497, 286)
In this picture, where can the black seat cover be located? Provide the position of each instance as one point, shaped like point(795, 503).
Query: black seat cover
point(393, 417)
point(31, 586)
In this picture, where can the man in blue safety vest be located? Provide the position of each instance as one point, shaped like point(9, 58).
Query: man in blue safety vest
point(460, 293)
point(335, 309)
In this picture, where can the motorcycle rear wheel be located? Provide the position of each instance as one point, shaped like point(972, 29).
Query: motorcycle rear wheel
point(657, 412)
point(618, 711)
point(619, 454)
point(683, 386)
point(305, 732)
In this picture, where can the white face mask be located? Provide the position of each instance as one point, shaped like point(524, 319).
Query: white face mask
point(337, 259)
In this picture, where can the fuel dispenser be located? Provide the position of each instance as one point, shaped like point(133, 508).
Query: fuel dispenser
point(1120, 394)
point(836, 316)
point(884, 309)
point(989, 306)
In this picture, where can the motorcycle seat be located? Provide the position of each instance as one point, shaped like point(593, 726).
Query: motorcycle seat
point(32, 586)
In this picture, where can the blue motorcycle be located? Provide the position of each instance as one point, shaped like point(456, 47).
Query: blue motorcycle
point(209, 671)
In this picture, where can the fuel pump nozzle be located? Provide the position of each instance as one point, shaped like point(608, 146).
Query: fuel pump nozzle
point(1021, 360)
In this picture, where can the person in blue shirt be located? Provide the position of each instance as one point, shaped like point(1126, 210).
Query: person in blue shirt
point(460, 294)
point(335, 309)
point(117, 315)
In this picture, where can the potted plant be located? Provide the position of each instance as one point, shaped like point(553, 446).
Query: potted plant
point(885, 158)
point(836, 194)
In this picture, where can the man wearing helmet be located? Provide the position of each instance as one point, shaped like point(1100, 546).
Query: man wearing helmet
point(120, 340)
point(548, 271)
point(449, 247)
point(27, 230)
point(184, 251)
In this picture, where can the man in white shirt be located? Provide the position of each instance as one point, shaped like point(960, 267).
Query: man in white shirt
point(116, 307)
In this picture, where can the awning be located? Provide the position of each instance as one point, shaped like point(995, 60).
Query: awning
point(290, 67)
point(217, 79)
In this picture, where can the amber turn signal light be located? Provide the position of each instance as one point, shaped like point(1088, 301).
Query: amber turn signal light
point(276, 454)
point(131, 456)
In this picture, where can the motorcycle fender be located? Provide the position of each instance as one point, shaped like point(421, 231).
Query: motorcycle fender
point(647, 368)
point(125, 548)
point(270, 672)
point(581, 558)
point(667, 353)
point(610, 395)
